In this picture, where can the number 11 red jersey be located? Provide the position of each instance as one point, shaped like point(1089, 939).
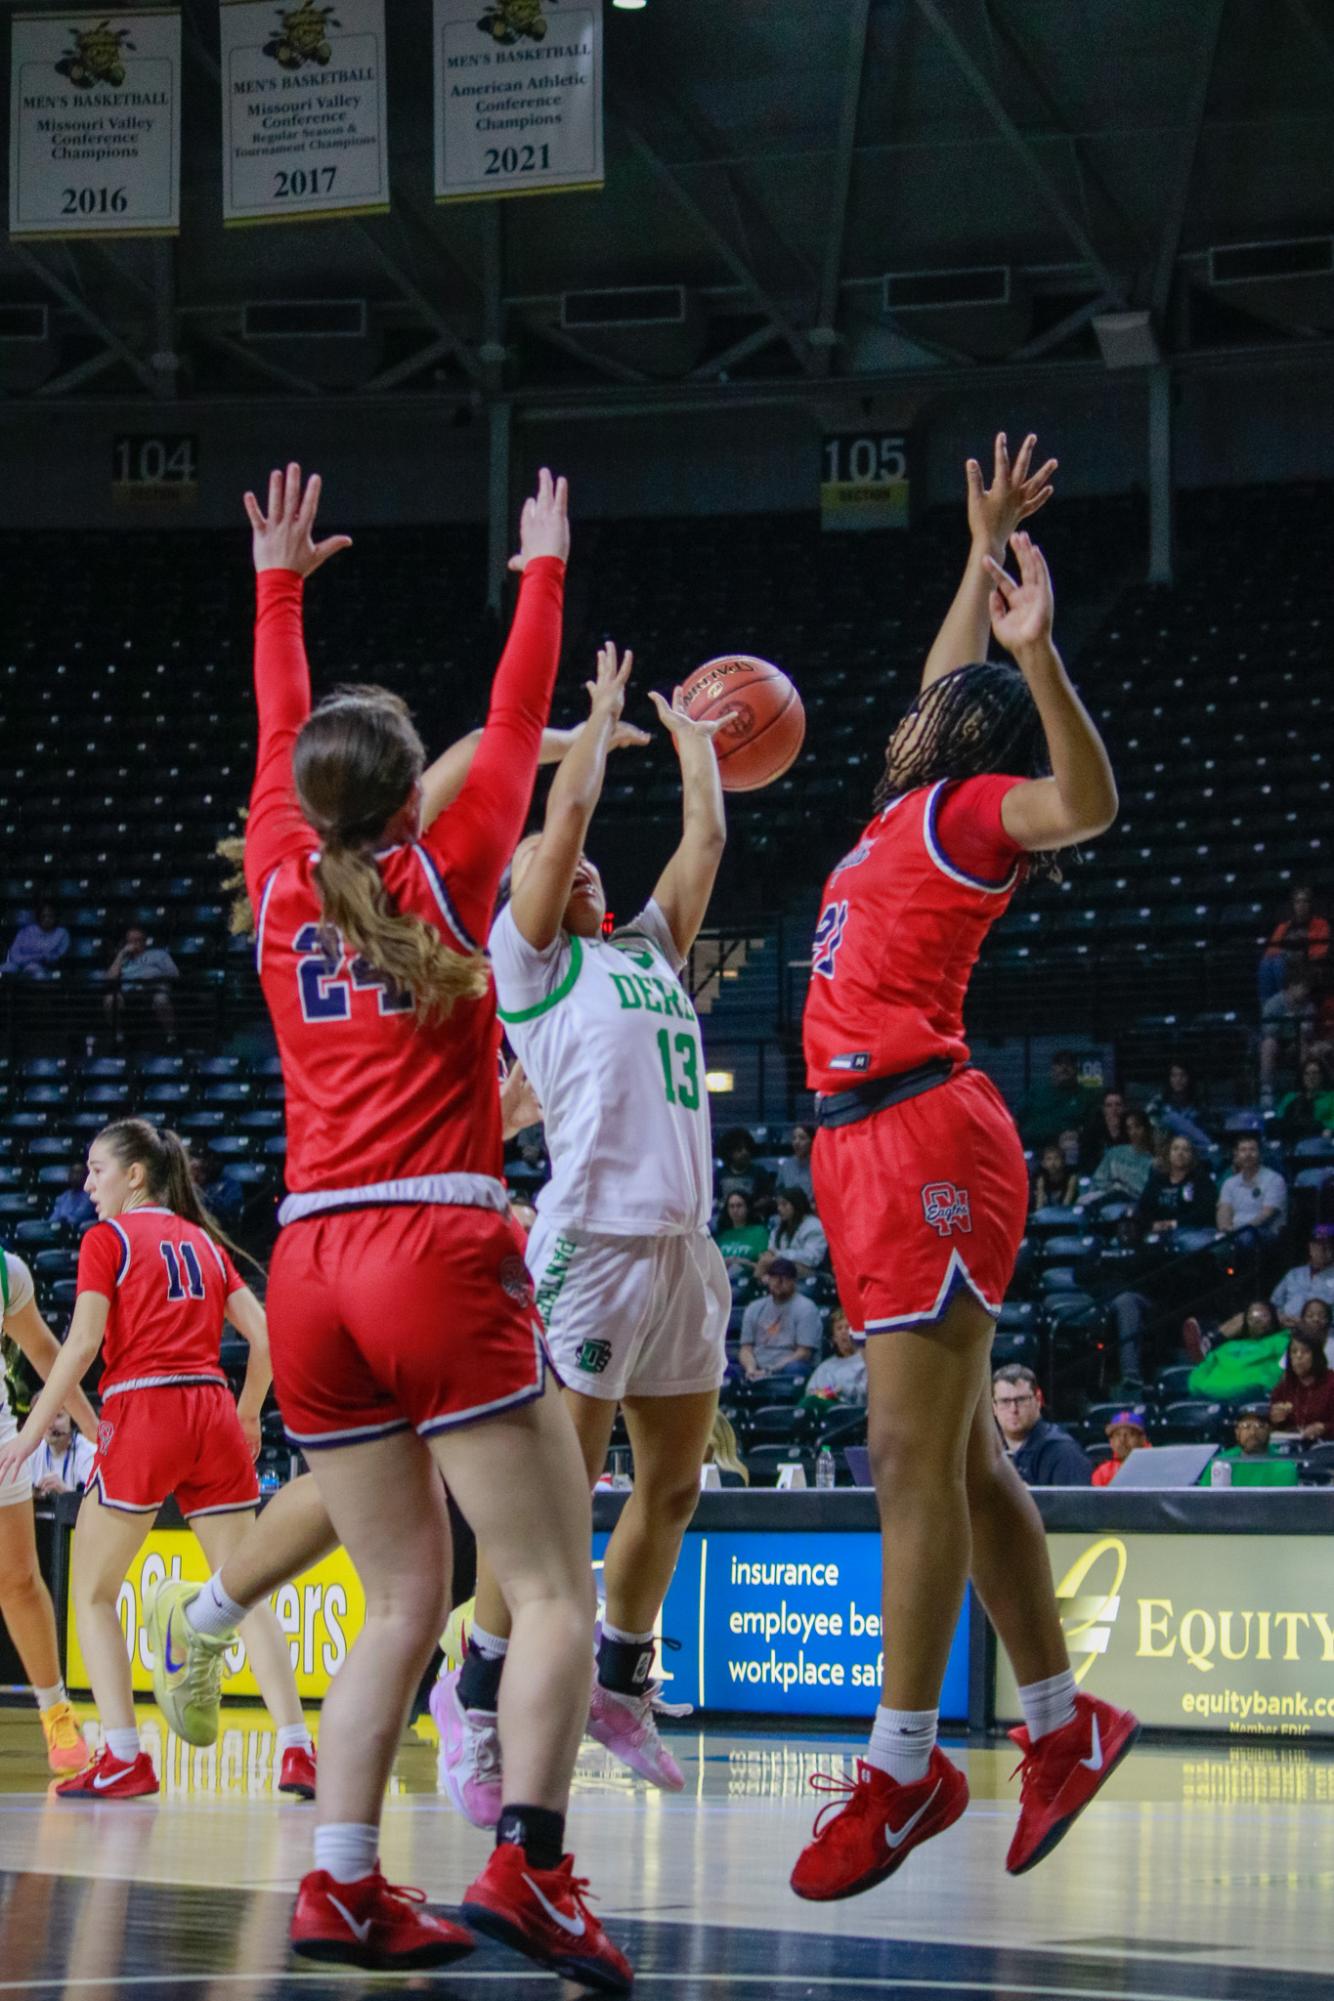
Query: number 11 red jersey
point(168, 1283)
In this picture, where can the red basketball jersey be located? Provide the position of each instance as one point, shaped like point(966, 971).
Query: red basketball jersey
point(168, 1283)
point(901, 925)
point(375, 1097)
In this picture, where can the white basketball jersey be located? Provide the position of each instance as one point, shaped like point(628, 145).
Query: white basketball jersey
point(15, 1292)
point(609, 1037)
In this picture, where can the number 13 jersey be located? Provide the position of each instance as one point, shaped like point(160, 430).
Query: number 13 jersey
point(611, 1042)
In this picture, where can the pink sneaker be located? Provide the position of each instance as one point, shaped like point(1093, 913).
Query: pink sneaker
point(468, 1765)
point(628, 1728)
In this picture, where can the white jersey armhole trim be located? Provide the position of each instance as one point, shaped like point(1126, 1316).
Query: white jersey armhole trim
point(947, 867)
point(441, 893)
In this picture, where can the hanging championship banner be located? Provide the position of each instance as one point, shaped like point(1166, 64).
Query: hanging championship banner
point(518, 97)
point(303, 110)
point(94, 126)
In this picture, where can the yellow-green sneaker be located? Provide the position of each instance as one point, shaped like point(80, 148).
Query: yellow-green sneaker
point(187, 1666)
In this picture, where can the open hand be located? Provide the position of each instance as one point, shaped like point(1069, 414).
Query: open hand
point(995, 511)
point(519, 1105)
point(607, 692)
point(284, 538)
point(1022, 613)
point(544, 525)
point(678, 723)
point(250, 1431)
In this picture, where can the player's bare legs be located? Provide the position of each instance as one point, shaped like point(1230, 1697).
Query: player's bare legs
point(291, 1535)
point(536, 1529)
point(668, 1436)
point(106, 1543)
point(388, 1510)
point(1011, 1568)
point(270, 1656)
point(25, 1602)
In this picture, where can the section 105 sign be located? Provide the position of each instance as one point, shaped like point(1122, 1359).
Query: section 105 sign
point(864, 480)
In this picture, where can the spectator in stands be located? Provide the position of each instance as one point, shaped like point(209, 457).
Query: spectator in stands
point(1254, 1198)
point(795, 1170)
point(1125, 1434)
point(1307, 1112)
point(1179, 1199)
point(742, 1238)
point(1043, 1454)
point(38, 947)
point(1177, 1108)
point(1253, 1459)
point(1055, 1184)
point(1246, 1363)
point(780, 1334)
point(1300, 938)
point(1313, 1280)
point(740, 1168)
point(1062, 1101)
point(795, 1234)
point(73, 1208)
point(64, 1459)
point(141, 975)
point(1287, 1024)
point(842, 1377)
point(1123, 1172)
point(221, 1196)
point(723, 1452)
point(1317, 1315)
point(1256, 1321)
point(1304, 1398)
point(1106, 1129)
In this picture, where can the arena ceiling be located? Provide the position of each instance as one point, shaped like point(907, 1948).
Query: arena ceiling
point(777, 160)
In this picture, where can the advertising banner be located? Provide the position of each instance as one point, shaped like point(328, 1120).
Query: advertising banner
point(94, 124)
point(1199, 1632)
point(321, 1612)
point(518, 97)
point(303, 110)
point(783, 1624)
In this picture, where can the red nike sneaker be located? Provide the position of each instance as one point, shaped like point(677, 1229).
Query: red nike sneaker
point(373, 1924)
point(297, 1776)
point(544, 1914)
point(1062, 1772)
point(875, 1828)
point(111, 1779)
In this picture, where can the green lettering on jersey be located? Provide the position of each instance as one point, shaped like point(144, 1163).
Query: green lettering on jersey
point(626, 989)
point(651, 1002)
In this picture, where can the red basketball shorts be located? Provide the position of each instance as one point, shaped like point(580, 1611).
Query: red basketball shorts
point(183, 1439)
point(416, 1316)
point(920, 1199)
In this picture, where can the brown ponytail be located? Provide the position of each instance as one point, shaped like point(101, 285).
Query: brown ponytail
point(356, 761)
point(166, 1163)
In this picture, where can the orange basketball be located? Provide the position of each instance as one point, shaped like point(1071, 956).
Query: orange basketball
point(766, 723)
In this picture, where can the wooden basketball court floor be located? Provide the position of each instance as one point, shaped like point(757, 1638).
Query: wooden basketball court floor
point(1204, 1871)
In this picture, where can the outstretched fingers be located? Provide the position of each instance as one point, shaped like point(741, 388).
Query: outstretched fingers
point(1007, 590)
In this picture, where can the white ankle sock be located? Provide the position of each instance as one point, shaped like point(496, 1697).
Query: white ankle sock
point(1048, 1705)
point(47, 1698)
point(294, 1737)
point(347, 1849)
point(213, 1613)
point(624, 1639)
point(489, 1645)
point(902, 1741)
point(122, 1744)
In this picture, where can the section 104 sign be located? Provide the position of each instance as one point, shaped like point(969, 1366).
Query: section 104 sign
point(864, 480)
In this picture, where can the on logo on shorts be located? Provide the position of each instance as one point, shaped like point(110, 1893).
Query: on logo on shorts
point(946, 1208)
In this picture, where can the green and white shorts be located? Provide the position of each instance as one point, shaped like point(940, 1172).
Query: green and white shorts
point(632, 1316)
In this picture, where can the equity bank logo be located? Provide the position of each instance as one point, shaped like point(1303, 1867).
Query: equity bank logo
point(1089, 1596)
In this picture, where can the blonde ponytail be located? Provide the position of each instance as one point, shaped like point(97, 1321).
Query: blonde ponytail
point(410, 954)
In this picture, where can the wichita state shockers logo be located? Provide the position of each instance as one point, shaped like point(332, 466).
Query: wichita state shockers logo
point(508, 21)
point(301, 36)
point(1088, 1615)
point(947, 1208)
point(96, 56)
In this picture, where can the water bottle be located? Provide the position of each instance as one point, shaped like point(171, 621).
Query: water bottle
point(1220, 1472)
point(269, 1483)
point(824, 1467)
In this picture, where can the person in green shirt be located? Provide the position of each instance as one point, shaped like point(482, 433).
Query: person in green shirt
point(1062, 1101)
point(1246, 1362)
point(741, 1238)
point(1253, 1460)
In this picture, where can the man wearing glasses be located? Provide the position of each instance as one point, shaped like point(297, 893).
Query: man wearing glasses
point(1043, 1454)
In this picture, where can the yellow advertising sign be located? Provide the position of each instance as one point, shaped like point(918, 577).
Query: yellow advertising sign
point(321, 1612)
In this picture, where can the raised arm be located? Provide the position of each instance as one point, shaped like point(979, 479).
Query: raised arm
point(1079, 799)
point(42, 1349)
point(443, 781)
point(247, 1316)
point(686, 884)
point(285, 553)
point(994, 513)
point(542, 892)
point(471, 843)
point(67, 1372)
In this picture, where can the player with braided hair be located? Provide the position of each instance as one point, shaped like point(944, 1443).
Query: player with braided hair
point(921, 1184)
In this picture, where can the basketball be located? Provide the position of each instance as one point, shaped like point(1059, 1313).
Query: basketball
point(766, 723)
